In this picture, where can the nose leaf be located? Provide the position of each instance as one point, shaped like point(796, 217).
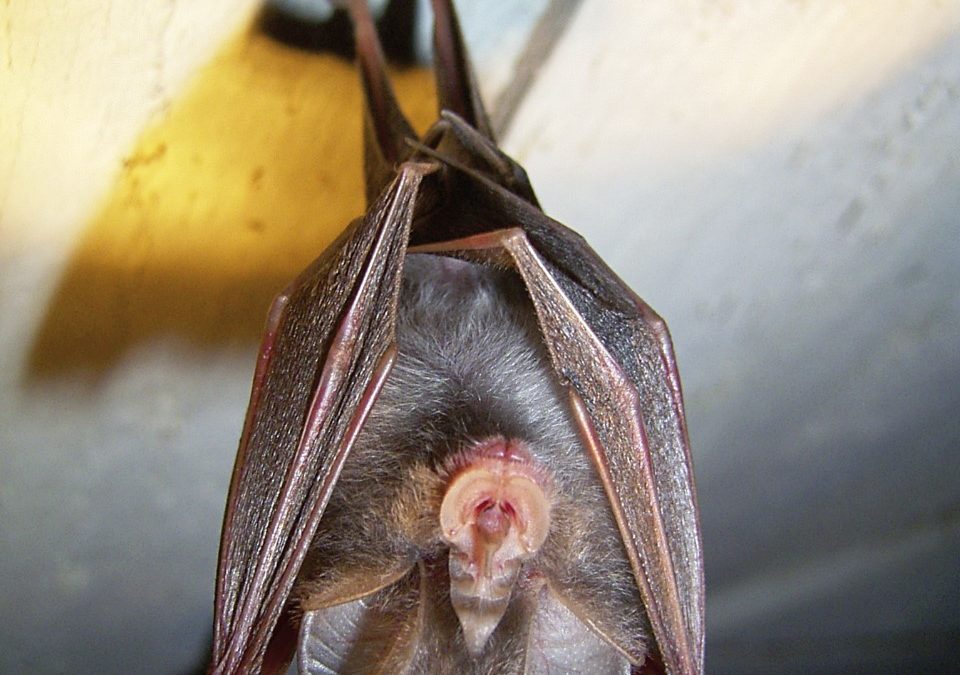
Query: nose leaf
point(495, 514)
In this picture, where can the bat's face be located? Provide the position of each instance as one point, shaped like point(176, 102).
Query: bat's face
point(469, 531)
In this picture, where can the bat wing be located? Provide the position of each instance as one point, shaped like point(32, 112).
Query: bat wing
point(327, 348)
point(615, 356)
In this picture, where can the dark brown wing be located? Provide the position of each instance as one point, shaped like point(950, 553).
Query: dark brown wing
point(327, 348)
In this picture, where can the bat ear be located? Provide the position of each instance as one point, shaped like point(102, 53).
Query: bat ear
point(456, 85)
point(385, 128)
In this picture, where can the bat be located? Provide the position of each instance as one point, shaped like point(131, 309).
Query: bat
point(465, 449)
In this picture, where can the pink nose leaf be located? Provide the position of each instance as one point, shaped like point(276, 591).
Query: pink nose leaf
point(495, 514)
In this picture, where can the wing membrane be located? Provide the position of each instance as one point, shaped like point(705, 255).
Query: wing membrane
point(326, 350)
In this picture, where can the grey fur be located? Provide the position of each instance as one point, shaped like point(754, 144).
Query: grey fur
point(470, 365)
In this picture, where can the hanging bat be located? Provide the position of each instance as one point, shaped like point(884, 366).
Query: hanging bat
point(465, 449)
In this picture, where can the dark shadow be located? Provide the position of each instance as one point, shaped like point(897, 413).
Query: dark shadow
point(253, 170)
point(396, 27)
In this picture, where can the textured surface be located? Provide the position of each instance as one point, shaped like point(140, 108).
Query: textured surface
point(109, 485)
point(777, 179)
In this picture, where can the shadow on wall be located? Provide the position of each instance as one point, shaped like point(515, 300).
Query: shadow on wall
point(246, 179)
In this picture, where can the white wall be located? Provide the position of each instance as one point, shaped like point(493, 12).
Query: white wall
point(108, 489)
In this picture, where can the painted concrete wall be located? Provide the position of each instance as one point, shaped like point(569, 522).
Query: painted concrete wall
point(108, 480)
point(777, 179)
